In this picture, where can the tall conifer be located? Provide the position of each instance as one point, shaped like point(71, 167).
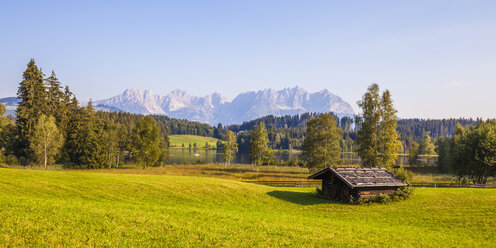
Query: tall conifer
point(33, 103)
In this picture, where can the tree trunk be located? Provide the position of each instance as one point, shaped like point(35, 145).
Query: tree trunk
point(118, 157)
point(45, 155)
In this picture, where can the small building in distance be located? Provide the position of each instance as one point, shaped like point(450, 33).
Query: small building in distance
point(360, 182)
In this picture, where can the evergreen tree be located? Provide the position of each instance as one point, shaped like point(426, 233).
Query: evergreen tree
point(146, 142)
point(57, 102)
point(377, 137)
point(46, 141)
point(230, 147)
point(259, 149)
point(92, 152)
point(164, 146)
point(33, 103)
point(111, 140)
point(321, 146)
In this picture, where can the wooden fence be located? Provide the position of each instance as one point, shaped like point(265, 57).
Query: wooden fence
point(305, 183)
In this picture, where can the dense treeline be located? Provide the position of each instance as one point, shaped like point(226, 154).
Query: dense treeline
point(470, 152)
point(288, 132)
point(412, 130)
point(170, 125)
point(50, 126)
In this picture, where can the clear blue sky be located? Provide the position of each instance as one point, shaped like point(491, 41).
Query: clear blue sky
point(438, 58)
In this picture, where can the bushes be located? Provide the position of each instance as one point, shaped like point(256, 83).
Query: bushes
point(400, 194)
point(402, 174)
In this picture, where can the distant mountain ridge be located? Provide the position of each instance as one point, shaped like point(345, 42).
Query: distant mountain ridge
point(11, 104)
point(214, 108)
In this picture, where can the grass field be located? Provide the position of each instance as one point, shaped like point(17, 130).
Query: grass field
point(75, 208)
point(240, 172)
point(179, 140)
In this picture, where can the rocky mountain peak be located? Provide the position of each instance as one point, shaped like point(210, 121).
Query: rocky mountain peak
point(215, 109)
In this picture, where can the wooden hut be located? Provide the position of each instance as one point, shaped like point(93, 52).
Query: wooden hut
point(360, 182)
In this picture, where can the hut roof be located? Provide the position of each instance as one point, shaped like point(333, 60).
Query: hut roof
point(358, 177)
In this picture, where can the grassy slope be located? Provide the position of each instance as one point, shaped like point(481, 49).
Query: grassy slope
point(179, 140)
point(47, 208)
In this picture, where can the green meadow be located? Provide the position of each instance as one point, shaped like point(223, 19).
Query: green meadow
point(79, 208)
point(179, 140)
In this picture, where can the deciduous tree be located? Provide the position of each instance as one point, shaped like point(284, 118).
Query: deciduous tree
point(146, 142)
point(259, 149)
point(46, 141)
point(377, 138)
point(321, 146)
point(230, 147)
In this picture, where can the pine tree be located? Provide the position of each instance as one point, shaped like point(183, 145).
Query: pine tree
point(230, 147)
point(321, 146)
point(57, 102)
point(46, 141)
point(111, 140)
point(33, 103)
point(92, 152)
point(164, 146)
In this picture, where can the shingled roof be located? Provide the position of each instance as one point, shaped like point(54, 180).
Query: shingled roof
point(358, 177)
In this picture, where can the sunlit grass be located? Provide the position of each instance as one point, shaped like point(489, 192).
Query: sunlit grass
point(177, 141)
point(68, 208)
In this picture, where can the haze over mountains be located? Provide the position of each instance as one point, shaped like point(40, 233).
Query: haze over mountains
point(215, 109)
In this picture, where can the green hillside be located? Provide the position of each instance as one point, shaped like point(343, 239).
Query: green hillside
point(179, 140)
point(67, 208)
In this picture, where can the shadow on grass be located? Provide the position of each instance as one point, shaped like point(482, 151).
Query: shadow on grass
point(301, 198)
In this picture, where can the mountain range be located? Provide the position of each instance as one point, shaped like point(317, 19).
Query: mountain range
point(215, 109)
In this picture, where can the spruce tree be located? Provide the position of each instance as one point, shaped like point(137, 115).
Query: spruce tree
point(33, 103)
point(57, 102)
point(92, 152)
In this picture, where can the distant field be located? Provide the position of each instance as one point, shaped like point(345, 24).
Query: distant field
point(73, 209)
point(179, 140)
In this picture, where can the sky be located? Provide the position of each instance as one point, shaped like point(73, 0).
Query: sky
point(438, 58)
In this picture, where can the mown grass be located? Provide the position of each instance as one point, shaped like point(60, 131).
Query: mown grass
point(67, 208)
point(177, 141)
